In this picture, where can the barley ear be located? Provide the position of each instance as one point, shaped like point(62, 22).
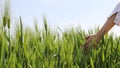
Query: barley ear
point(8, 24)
point(4, 21)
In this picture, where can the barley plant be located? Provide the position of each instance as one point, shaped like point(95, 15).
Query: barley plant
point(46, 48)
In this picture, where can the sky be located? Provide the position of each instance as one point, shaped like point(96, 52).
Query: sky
point(64, 13)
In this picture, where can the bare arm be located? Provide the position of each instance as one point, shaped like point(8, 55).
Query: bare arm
point(105, 29)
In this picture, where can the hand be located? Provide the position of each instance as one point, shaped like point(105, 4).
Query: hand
point(91, 40)
point(94, 39)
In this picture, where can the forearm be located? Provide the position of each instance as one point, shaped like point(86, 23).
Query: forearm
point(106, 27)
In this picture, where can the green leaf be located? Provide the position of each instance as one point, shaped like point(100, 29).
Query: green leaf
point(91, 62)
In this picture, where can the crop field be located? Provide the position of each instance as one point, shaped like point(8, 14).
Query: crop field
point(47, 48)
point(43, 48)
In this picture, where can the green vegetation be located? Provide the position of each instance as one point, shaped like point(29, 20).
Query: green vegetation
point(45, 48)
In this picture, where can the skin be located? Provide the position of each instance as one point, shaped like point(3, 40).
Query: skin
point(105, 29)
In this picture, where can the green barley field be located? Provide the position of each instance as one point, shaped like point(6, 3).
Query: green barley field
point(47, 48)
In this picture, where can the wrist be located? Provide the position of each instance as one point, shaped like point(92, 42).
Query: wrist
point(99, 35)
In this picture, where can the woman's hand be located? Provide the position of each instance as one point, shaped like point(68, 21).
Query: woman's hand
point(91, 40)
point(94, 39)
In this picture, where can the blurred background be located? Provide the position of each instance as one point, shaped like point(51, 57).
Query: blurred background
point(65, 14)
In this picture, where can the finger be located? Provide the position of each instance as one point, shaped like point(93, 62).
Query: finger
point(87, 37)
point(95, 44)
point(86, 45)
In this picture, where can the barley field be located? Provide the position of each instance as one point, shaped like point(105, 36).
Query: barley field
point(47, 48)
